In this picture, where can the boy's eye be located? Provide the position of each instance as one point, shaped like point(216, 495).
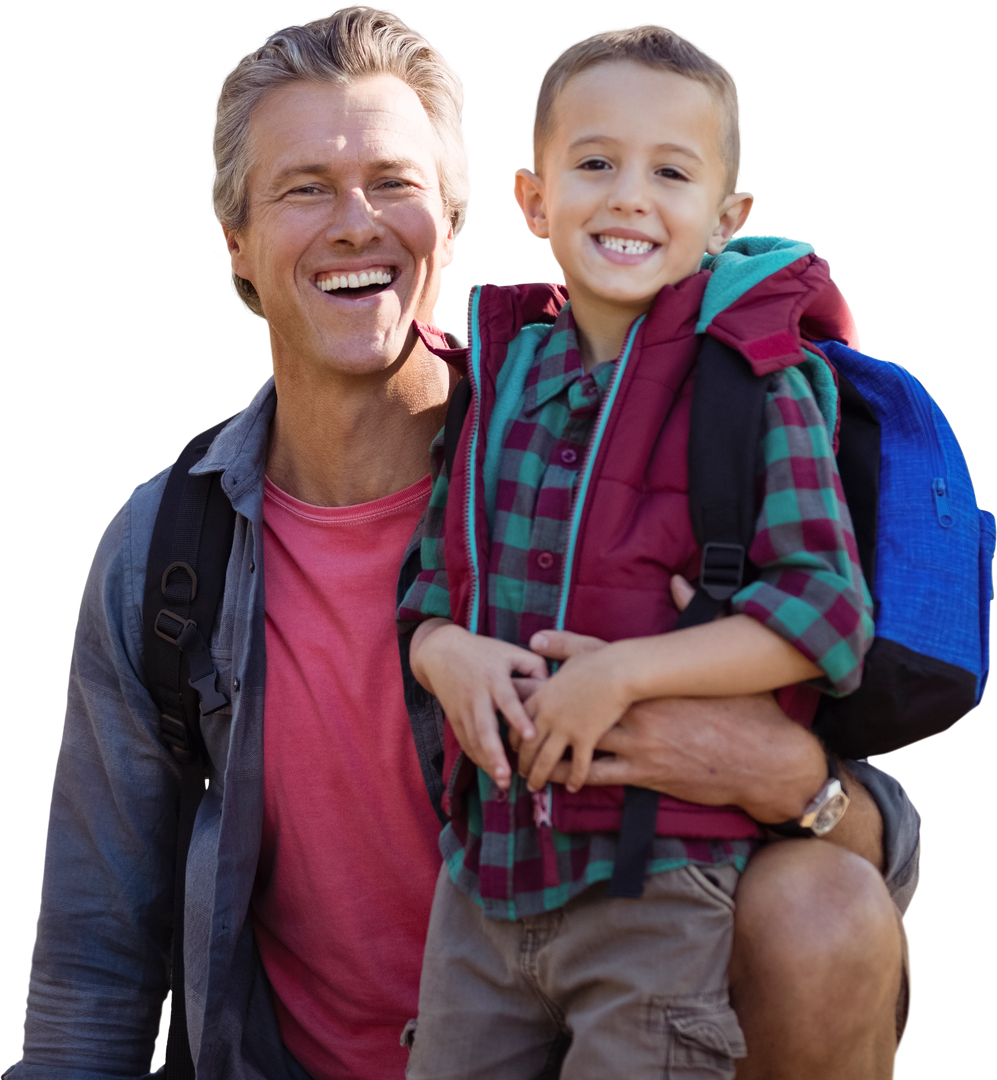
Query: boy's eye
point(669, 172)
point(595, 163)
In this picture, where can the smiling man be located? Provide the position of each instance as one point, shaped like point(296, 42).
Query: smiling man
point(341, 184)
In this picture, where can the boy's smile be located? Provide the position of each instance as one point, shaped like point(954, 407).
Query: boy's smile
point(631, 193)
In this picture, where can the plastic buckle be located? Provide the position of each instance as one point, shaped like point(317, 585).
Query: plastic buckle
point(184, 623)
point(722, 570)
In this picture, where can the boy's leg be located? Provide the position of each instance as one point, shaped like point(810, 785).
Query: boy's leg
point(643, 983)
point(480, 1018)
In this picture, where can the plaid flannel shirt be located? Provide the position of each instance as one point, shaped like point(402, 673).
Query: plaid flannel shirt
point(810, 590)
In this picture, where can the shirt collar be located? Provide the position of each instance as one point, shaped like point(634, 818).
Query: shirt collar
point(557, 365)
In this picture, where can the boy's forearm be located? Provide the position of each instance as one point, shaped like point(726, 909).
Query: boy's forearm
point(419, 635)
point(728, 657)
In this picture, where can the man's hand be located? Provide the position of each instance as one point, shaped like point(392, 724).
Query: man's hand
point(472, 677)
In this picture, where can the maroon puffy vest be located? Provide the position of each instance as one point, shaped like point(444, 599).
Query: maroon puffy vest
point(635, 531)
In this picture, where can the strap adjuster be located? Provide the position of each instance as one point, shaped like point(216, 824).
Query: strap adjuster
point(722, 570)
point(165, 627)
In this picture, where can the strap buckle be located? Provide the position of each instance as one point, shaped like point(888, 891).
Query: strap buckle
point(722, 570)
point(165, 627)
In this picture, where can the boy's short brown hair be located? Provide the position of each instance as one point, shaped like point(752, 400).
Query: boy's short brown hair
point(655, 47)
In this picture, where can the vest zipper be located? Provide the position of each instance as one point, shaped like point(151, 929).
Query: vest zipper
point(473, 364)
point(585, 473)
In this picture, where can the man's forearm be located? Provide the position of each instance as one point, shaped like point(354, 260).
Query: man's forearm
point(733, 751)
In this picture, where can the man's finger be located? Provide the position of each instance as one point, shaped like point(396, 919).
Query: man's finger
point(563, 644)
point(530, 664)
point(682, 592)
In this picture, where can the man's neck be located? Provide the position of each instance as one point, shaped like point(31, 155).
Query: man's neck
point(341, 440)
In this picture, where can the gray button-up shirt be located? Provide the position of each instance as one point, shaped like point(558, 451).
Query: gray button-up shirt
point(102, 957)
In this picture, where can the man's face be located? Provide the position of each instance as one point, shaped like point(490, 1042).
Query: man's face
point(343, 184)
point(633, 182)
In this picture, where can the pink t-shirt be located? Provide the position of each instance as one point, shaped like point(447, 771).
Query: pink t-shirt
point(349, 855)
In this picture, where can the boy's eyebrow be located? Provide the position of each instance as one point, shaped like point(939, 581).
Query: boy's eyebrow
point(675, 148)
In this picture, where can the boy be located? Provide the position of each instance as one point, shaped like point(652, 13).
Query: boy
point(569, 509)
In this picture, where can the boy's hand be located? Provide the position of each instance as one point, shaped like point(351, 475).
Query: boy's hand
point(472, 677)
point(575, 708)
point(538, 761)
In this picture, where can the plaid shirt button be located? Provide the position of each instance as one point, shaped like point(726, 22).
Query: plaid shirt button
point(545, 560)
point(569, 456)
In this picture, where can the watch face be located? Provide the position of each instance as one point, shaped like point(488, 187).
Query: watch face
point(830, 814)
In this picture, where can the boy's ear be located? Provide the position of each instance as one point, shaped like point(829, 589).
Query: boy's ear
point(734, 212)
point(530, 196)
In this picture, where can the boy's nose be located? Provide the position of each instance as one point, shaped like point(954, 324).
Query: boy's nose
point(630, 194)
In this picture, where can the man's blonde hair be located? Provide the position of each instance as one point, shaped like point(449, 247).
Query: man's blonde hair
point(655, 47)
point(352, 44)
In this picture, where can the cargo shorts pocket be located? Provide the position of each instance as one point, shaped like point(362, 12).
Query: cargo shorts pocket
point(704, 1041)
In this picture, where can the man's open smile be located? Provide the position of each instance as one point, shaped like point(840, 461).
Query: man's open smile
point(356, 284)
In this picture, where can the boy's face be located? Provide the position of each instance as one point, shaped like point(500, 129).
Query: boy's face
point(632, 191)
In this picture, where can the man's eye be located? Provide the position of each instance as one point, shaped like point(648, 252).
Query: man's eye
point(307, 189)
point(393, 184)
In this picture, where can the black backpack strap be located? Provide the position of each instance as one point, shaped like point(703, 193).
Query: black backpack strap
point(728, 409)
point(185, 578)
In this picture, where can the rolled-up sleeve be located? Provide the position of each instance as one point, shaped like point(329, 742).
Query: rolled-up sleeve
point(810, 589)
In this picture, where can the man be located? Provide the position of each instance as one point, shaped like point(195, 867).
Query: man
point(340, 186)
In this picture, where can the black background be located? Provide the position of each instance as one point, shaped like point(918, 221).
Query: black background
point(130, 341)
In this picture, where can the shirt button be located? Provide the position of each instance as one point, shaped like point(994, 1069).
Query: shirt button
point(569, 456)
point(252, 567)
point(545, 560)
point(235, 684)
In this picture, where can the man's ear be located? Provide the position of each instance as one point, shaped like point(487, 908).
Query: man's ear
point(734, 212)
point(448, 240)
point(237, 252)
point(530, 196)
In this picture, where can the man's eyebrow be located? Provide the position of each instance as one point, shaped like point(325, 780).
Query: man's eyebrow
point(323, 169)
point(674, 148)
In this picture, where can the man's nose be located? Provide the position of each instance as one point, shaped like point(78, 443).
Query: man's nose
point(355, 222)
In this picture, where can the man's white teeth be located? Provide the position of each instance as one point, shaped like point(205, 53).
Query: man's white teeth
point(355, 281)
point(625, 246)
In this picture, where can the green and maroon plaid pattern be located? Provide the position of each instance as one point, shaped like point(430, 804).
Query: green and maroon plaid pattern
point(499, 846)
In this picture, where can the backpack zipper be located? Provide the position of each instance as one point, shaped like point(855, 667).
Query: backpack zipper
point(939, 482)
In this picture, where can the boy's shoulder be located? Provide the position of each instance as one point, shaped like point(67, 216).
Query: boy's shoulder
point(498, 313)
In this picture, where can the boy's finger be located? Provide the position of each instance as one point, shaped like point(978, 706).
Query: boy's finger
point(525, 687)
point(543, 764)
point(508, 703)
point(529, 664)
point(581, 759)
point(492, 753)
point(563, 644)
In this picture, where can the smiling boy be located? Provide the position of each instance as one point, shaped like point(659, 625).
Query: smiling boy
point(567, 507)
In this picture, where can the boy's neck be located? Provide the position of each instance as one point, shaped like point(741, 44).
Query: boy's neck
point(602, 328)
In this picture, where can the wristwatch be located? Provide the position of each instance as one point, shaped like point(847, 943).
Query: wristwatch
point(824, 810)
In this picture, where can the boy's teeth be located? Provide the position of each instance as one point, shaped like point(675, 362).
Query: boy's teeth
point(624, 246)
point(355, 281)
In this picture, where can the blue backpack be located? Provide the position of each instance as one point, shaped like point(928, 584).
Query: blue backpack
point(926, 548)
point(930, 568)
